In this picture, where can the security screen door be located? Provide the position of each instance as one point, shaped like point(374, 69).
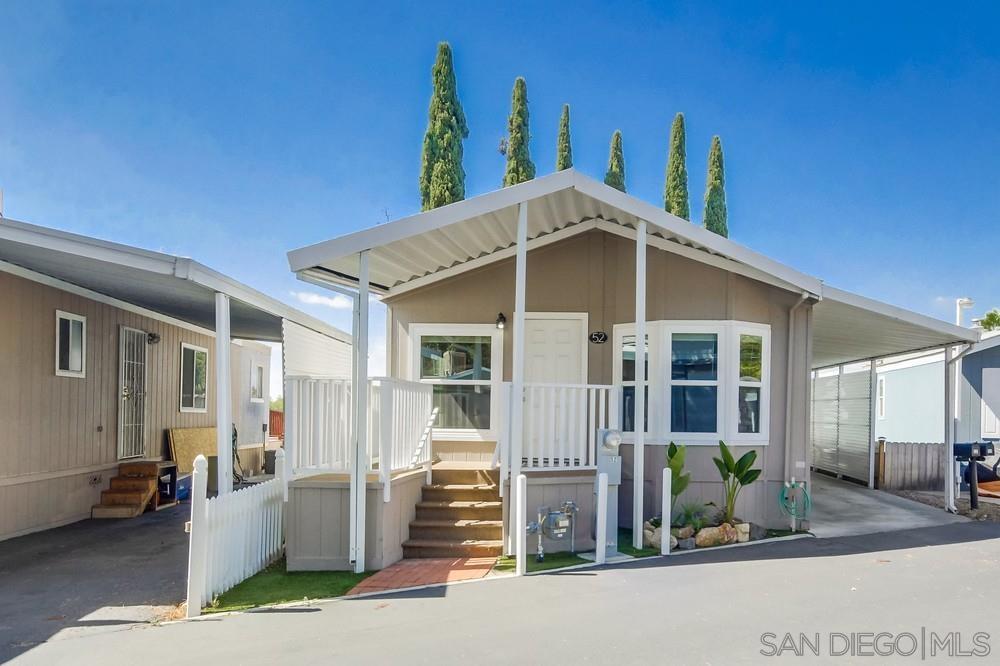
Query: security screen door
point(131, 393)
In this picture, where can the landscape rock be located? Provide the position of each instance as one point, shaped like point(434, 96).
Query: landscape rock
point(757, 532)
point(686, 544)
point(715, 536)
point(685, 532)
point(742, 532)
point(673, 542)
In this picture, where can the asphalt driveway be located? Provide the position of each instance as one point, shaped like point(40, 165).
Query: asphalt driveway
point(91, 576)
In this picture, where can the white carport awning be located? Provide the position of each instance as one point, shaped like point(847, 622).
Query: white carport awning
point(178, 287)
point(848, 327)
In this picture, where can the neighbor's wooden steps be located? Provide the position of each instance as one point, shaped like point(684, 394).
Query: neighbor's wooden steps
point(460, 515)
point(130, 492)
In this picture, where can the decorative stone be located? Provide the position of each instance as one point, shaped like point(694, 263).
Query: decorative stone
point(715, 536)
point(647, 539)
point(685, 532)
point(673, 542)
point(757, 532)
point(686, 544)
point(742, 532)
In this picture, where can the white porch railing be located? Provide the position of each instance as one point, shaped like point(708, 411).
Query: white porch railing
point(560, 426)
point(319, 429)
point(233, 535)
point(401, 417)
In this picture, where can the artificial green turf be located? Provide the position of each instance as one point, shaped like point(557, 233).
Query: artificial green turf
point(551, 561)
point(275, 585)
point(625, 546)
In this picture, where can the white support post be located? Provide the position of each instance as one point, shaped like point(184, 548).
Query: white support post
point(872, 417)
point(665, 516)
point(291, 404)
point(359, 454)
point(949, 430)
point(521, 525)
point(223, 396)
point(638, 449)
point(386, 407)
point(601, 533)
point(281, 471)
point(516, 402)
point(198, 544)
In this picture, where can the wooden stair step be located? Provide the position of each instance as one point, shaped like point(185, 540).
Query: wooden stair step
point(418, 548)
point(461, 491)
point(138, 483)
point(448, 475)
point(123, 496)
point(116, 510)
point(139, 468)
point(458, 509)
point(455, 530)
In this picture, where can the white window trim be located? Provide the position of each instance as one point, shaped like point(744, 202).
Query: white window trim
point(254, 366)
point(180, 387)
point(416, 331)
point(659, 358)
point(880, 398)
point(61, 314)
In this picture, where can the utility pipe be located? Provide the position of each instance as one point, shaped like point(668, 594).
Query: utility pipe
point(788, 382)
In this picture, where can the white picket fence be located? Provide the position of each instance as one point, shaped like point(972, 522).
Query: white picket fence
point(233, 535)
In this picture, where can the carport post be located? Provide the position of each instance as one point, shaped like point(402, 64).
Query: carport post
point(949, 430)
point(516, 402)
point(223, 397)
point(359, 391)
point(639, 420)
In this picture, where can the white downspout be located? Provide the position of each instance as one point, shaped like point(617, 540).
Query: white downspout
point(788, 382)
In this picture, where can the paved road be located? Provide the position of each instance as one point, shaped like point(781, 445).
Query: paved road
point(705, 607)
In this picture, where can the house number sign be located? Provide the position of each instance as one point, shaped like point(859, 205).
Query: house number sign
point(598, 337)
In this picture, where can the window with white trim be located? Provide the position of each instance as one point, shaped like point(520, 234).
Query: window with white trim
point(463, 363)
point(881, 397)
point(71, 344)
point(194, 378)
point(256, 382)
point(706, 380)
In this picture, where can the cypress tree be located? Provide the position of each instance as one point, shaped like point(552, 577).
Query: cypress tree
point(675, 192)
point(442, 178)
point(715, 215)
point(564, 150)
point(519, 165)
point(615, 176)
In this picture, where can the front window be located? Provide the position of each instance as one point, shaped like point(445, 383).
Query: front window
point(628, 384)
point(459, 360)
point(257, 383)
point(194, 378)
point(71, 344)
point(881, 397)
point(694, 382)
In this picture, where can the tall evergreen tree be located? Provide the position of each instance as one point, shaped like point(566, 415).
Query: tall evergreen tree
point(519, 165)
point(564, 150)
point(442, 178)
point(715, 217)
point(615, 176)
point(675, 191)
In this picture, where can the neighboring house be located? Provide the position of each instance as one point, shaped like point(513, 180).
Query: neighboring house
point(516, 315)
point(104, 347)
point(979, 392)
point(909, 398)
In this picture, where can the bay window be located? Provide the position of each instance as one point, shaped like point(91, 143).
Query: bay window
point(706, 381)
point(462, 362)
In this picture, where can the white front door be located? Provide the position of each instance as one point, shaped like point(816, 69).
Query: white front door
point(131, 393)
point(555, 353)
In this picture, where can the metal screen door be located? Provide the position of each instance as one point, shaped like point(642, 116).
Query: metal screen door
point(131, 393)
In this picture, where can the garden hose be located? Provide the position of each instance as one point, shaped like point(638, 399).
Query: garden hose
point(797, 505)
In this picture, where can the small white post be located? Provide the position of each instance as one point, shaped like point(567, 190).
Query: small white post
point(949, 431)
point(223, 396)
point(281, 471)
point(521, 522)
point(601, 544)
point(638, 449)
point(198, 542)
point(665, 514)
point(872, 418)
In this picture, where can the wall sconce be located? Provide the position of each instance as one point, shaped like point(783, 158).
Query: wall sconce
point(501, 321)
point(152, 338)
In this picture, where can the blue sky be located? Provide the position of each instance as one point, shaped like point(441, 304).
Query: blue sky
point(862, 140)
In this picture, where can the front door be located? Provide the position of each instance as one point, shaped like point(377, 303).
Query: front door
point(131, 393)
point(555, 348)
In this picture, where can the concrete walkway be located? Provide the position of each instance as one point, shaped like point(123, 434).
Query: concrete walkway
point(842, 508)
point(91, 576)
point(707, 607)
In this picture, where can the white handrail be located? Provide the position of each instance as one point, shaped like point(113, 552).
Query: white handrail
point(401, 418)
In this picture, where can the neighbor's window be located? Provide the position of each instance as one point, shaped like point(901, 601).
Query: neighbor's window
point(694, 382)
point(71, 345)
point(460, 365)
point(881, 397)
point(194, 378)
point(257, 383)
point(628, 351)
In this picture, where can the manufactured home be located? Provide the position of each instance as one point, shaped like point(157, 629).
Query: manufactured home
point(105, 349)
point(521, 322)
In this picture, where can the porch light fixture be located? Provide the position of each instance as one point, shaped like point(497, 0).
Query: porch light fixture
point(501, 321)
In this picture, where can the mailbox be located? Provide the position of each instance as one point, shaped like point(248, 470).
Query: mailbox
point(973, 450)
point(609, 462)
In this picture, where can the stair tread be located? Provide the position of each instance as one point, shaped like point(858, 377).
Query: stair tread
point(460, 486)
point(446, 543)
point(459, 504)
point(459, 522)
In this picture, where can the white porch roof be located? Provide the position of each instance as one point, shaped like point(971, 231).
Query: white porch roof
point(431, 246)
point(177, 287)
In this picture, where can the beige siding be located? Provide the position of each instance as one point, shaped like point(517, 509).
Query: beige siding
point(594, 273)
point(57, 433)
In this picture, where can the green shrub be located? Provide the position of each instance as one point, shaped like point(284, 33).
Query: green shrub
point(736, 474)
